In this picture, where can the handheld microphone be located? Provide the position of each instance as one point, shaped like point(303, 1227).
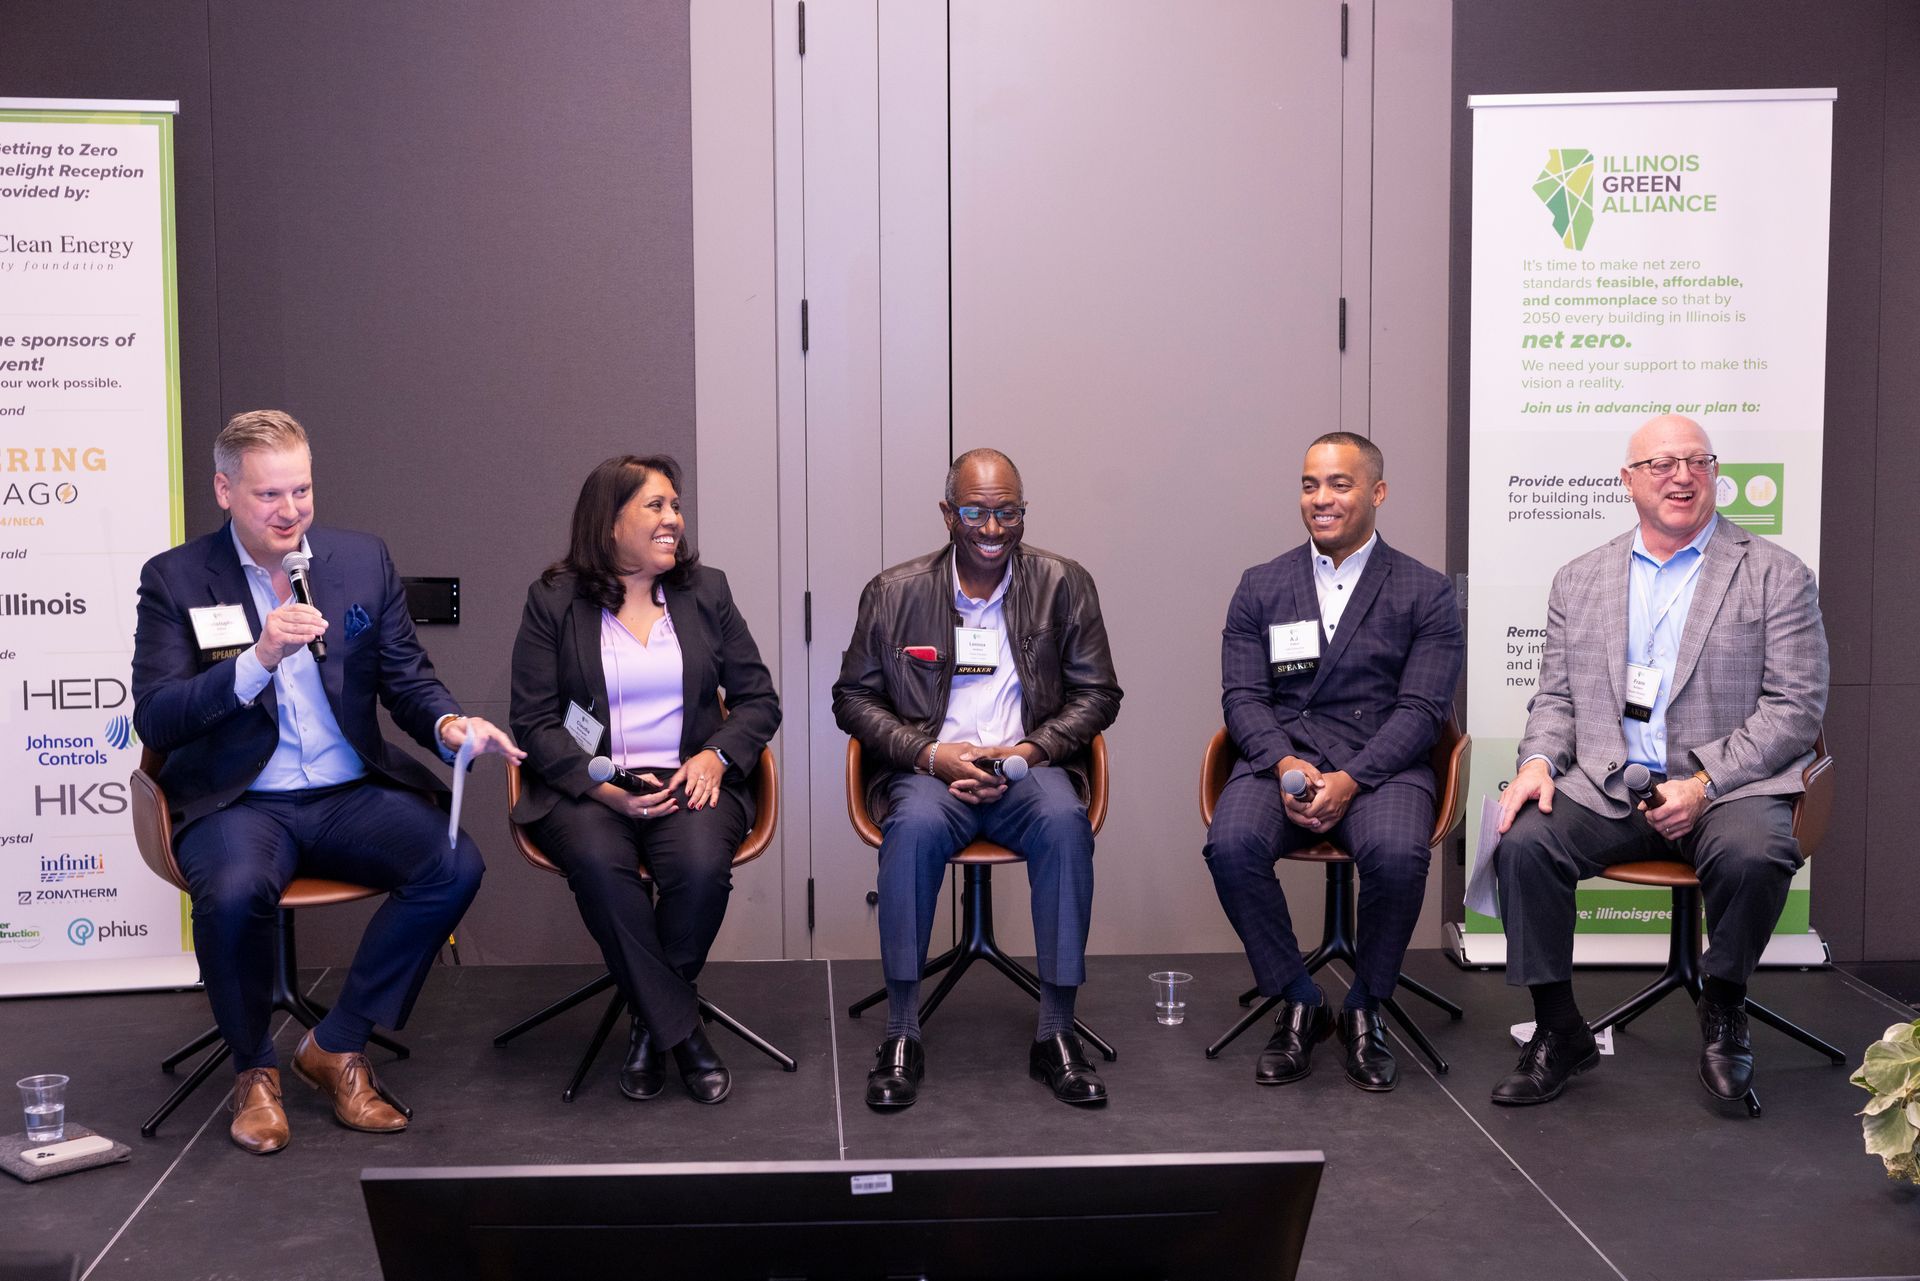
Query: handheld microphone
point(601, 769)
point(1010, 769)
point(295, 564)
point(1294, 784)
point(1639, 781)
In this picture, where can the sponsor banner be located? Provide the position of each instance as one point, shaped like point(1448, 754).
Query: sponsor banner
point(1633, 254)
point(89, 489)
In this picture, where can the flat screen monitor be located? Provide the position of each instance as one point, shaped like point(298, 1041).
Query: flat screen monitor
point(1221, 1216)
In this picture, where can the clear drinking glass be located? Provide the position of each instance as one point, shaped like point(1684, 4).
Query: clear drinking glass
point(45, 1101)
point(1170, 996)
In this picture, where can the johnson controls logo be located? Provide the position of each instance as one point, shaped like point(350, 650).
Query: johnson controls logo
point(120, 734)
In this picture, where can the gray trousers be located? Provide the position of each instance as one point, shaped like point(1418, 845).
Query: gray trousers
point(1743, 851)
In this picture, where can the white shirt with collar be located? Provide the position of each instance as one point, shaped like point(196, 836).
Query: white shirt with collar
point(985, 710)
point(1335, 585)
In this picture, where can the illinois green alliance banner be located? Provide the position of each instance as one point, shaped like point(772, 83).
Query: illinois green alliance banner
point(89, 488)
point(1633, 254)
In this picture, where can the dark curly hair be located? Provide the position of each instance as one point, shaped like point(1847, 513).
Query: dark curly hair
point(590, 557)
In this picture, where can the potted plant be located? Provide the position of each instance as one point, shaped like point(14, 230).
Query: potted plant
point(1890, 1072)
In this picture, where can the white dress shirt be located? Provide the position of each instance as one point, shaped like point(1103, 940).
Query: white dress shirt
point(985, 709)
point(1335, 585)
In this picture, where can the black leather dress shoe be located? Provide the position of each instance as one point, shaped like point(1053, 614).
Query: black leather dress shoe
point(1370, 1063)
point(1726, 1052)
point(706, 1077)
point(894, 1081)
point(1060, 1063)
point(1289, 1053)
point(1549, 1059)
point(644, 1074)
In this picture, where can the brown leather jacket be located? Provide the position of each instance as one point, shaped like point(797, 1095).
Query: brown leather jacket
point(894, 704)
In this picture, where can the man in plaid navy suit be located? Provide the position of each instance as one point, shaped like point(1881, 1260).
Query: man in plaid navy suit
point(1339, 659)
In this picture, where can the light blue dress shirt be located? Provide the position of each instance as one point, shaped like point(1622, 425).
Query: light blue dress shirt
point(1658, 599)
point(985, 710)
point(312, 751)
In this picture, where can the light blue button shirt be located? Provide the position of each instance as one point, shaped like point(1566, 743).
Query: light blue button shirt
point(1334, 584)
point(312, 752)
point(985, 709)
point(1658, 599)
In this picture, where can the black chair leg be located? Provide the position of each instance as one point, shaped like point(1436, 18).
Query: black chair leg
point(933, 967)
point(1415, 1035)
point(585, 992)
point(713, 1013)
point(214, 1059)
point(1793, 1030)
point(1249, 996)
point(188, 1050)
point(1432, 997)
point(1248, 1020)
point(617, 1004)
point(1639, 1003)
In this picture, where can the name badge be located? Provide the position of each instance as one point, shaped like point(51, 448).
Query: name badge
point(976, 651)
point(1293, 647)
point(1643, 689)
point(585, 730)
point(221, 631)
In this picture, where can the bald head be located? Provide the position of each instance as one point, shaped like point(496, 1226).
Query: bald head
point(1669, 436)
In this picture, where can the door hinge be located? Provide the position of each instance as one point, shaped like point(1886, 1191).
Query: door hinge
point(1343, 29)
point(803, 324)
point(806, 618)
point(1343, 324)
point(809, 905)
point(803, 28)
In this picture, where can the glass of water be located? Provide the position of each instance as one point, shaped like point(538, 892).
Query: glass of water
point(1170, 996)
point(45, 1099)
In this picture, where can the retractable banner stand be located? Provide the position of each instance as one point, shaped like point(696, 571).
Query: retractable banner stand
point(89, 489)
point(1633, 254)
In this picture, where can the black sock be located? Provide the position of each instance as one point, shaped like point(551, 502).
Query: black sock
point(1553, 1006)
point(1724, 991)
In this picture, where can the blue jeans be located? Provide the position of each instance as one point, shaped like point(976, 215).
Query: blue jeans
point(1040, 817)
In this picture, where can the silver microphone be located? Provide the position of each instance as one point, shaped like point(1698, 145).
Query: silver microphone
point(1009, 768)
point(601, 769)
point(295, 563)
point(1294, 783)
point(1639, 781)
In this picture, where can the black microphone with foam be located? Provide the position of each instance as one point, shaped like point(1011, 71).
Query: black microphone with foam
point(1639, 781)
point(601, 769)
point(1008, 769)
point(295, 564)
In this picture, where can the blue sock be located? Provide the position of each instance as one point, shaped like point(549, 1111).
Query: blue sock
point(903, 1008)
point(262, 1056)
point(1302, 990)
point(1357, 999)
point(1056, 1010)
point(342, 1033)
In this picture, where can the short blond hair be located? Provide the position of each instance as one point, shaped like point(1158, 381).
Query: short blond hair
point(257, 429)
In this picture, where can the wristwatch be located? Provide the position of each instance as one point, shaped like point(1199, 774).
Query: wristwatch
point(1706, 781)
point(723, 757)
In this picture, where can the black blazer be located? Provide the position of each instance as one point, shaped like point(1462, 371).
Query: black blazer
point(556, 660)
point(215, 746)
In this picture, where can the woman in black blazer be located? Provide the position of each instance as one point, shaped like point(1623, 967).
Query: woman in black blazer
point(624, 649)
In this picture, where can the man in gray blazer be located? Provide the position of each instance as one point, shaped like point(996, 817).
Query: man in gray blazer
point(1695, 649)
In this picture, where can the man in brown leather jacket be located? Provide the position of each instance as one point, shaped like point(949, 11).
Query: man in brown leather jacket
point(983, 650)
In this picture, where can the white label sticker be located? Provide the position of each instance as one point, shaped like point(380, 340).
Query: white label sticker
point(868, 1184)
point(1643, 685)
point(585, 729)
point(221, 626)
point(976, 651)
point(1292, 642)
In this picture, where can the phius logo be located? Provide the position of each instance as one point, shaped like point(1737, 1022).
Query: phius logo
point(81, 931)
point(120, 734)
point(55, 868)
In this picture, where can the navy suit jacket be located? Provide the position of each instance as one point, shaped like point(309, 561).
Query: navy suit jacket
point(184, 705)
point(1385, 683)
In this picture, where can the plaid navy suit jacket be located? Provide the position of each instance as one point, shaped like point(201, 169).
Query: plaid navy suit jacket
point(1384, 687)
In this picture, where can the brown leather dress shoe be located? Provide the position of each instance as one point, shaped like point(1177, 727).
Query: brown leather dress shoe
point(259, 1122)
point(358, 1101)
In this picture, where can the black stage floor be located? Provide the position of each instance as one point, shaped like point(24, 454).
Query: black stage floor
point(1634, 1173)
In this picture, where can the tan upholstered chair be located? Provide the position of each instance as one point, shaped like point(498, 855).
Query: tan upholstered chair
point(976, 895)
point(1336, 944)
point(1811, 810)
point(153, 834)
point(766, 784)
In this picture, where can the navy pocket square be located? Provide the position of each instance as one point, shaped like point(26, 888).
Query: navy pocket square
point(357, 621)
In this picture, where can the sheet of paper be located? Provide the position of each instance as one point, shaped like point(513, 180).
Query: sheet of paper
point(461, 759)
point(1482, 890)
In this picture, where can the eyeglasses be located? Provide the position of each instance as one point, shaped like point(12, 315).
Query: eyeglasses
point(975, 517)
point(1661, 468)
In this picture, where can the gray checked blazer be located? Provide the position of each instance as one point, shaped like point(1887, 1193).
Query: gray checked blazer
point(1749, 686)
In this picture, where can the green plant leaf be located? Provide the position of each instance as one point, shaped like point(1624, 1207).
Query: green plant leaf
point(1880, 1103)
point(1889, 1134)
point(1903, 1032)
point(1889, 1066)
point(1913, 1113)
